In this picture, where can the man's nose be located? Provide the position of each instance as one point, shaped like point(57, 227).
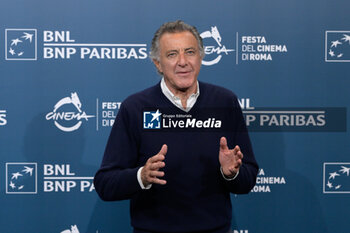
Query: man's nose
point(182, 59)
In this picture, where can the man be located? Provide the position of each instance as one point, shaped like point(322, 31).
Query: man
point(178, 172)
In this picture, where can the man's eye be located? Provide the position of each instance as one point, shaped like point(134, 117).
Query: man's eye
point(171, 54)
point(190, 52)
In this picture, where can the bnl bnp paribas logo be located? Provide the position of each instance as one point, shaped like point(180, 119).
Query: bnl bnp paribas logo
point(21, 178)
point(337, 47)
point(152, 119)
point(336, 177)
point(67, 113)
point(21, 44)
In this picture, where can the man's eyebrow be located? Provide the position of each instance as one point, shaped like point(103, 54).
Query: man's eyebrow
point(176, 50)
point(186, 49)
point(172, 50)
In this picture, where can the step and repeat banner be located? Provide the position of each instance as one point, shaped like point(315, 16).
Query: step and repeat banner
point(66, 67)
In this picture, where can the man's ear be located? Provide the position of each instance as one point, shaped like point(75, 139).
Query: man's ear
point(157, 64)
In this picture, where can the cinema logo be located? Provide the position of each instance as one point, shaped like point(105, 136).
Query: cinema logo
point(257, 48)
point(246, 48)
point(61, 45)
point(296, 119)
point(73, 229)
point(264, 183)
point(68, 111)
point(3, 120)
point(214, 49)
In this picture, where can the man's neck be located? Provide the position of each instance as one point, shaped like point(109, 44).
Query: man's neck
point(182, 94)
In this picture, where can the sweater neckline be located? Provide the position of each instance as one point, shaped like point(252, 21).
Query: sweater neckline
point(166, 101)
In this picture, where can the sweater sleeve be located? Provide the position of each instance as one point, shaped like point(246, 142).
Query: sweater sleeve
point(246, 178)
point(117, 177)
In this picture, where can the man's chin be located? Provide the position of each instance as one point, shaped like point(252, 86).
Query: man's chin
point(185, 88)
point(184, 85)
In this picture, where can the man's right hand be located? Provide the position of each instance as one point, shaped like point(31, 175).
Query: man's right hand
point(150, 172)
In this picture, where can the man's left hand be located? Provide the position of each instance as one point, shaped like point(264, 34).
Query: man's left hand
point(230, 160)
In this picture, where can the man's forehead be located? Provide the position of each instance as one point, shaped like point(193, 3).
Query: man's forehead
point(180, 40)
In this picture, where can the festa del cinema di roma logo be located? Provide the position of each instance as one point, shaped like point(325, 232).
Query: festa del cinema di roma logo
point(67, 110)
point(211, 50)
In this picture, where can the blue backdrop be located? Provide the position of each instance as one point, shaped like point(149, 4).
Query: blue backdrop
point(67, 65)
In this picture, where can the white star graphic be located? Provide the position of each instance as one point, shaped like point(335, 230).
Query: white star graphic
point(16, 175)
point(156, 115)
point(27, 36)
point(329, 184)
point(331, 53)
point(28, 170)
point(16, 41)
point(333, 175)
point(346, 38)
point(335, 43)
point(12, 51)
point(12, 185)
point(345, 170)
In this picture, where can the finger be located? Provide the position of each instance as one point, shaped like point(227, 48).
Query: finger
point(157, 181)
point(163, 150)
point(236, 149)
point(156, 158)
point(223, 144)
point(238, 163)
point(239, 155)
point(157, 165)
point(235, 167)
point(156, 174)
point(232, 170)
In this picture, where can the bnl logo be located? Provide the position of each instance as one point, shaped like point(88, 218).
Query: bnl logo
point(21, 178)
point(151, 120)
point(337, 46)
point(336, 178)
point(20, 44)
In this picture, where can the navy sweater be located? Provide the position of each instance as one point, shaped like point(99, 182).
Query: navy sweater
point(196, 196)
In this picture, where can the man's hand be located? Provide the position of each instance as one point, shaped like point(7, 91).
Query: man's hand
point(230, 160)
point(150, 172)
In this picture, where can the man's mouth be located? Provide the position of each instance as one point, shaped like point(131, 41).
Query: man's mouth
point(182, 73)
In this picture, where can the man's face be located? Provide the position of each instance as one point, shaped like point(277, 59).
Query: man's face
point(179, 61)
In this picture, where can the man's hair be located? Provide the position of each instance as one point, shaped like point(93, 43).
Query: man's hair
point(174, 27)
